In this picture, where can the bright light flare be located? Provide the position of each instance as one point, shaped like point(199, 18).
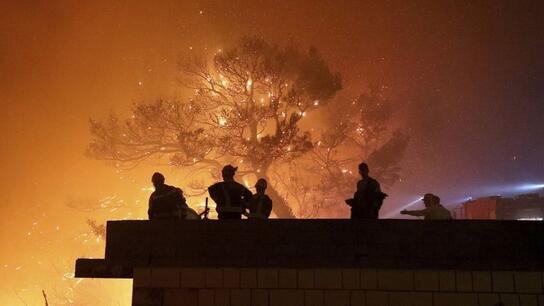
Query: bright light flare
point(461, 200)
point(529, 187)
point(398, 210)
point(509, 190)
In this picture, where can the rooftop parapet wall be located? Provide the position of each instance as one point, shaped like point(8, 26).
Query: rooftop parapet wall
point(384, 244)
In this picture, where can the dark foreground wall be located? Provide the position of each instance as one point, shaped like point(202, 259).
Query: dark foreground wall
point(405, 244)
point(325, 262)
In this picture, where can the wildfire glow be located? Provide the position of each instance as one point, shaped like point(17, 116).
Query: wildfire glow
point(55, 200)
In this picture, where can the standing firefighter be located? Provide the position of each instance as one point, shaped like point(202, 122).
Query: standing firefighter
point(368, 198)
point(230, 196)
point(166, 201)
point(433, 209)
point(260, 205)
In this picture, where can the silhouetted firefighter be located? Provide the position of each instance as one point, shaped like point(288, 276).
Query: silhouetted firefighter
point(230, 196)
point(368, 198)
point(168, 202)
point(433, 209)
point(260, 205)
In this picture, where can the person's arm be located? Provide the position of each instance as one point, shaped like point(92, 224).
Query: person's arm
point(150, 209)
point(247, 195)
point(377, 192)
point(377, 187)
point(268, 208)
point(212, 190)
point(416, 213)
point(181, 198)
point(355, 201)
point(360, 187)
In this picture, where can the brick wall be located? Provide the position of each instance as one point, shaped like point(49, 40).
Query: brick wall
point(325, 262)
point(334, 287)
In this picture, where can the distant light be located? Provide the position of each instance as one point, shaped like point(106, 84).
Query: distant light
point(509, 190)
point(461, 200)
point(530, 219)
point(529, 187)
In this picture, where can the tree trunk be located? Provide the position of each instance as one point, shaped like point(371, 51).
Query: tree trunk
point(279, 205)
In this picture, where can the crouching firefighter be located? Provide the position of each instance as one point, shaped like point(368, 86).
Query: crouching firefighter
point(230, 196)
point(260, 205)
point(166, 202)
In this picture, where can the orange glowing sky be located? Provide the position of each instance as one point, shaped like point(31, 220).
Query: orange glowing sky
point(62, 62)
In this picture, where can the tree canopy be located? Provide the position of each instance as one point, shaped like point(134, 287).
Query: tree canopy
point(247, 107)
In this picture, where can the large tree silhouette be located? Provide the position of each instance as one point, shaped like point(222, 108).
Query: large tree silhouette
point(247, 107)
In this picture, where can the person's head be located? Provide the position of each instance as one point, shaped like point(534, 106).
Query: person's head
point(261, 185)
point(157, 179)
point(228, 172)
point(363, 170)
point(430, 199)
